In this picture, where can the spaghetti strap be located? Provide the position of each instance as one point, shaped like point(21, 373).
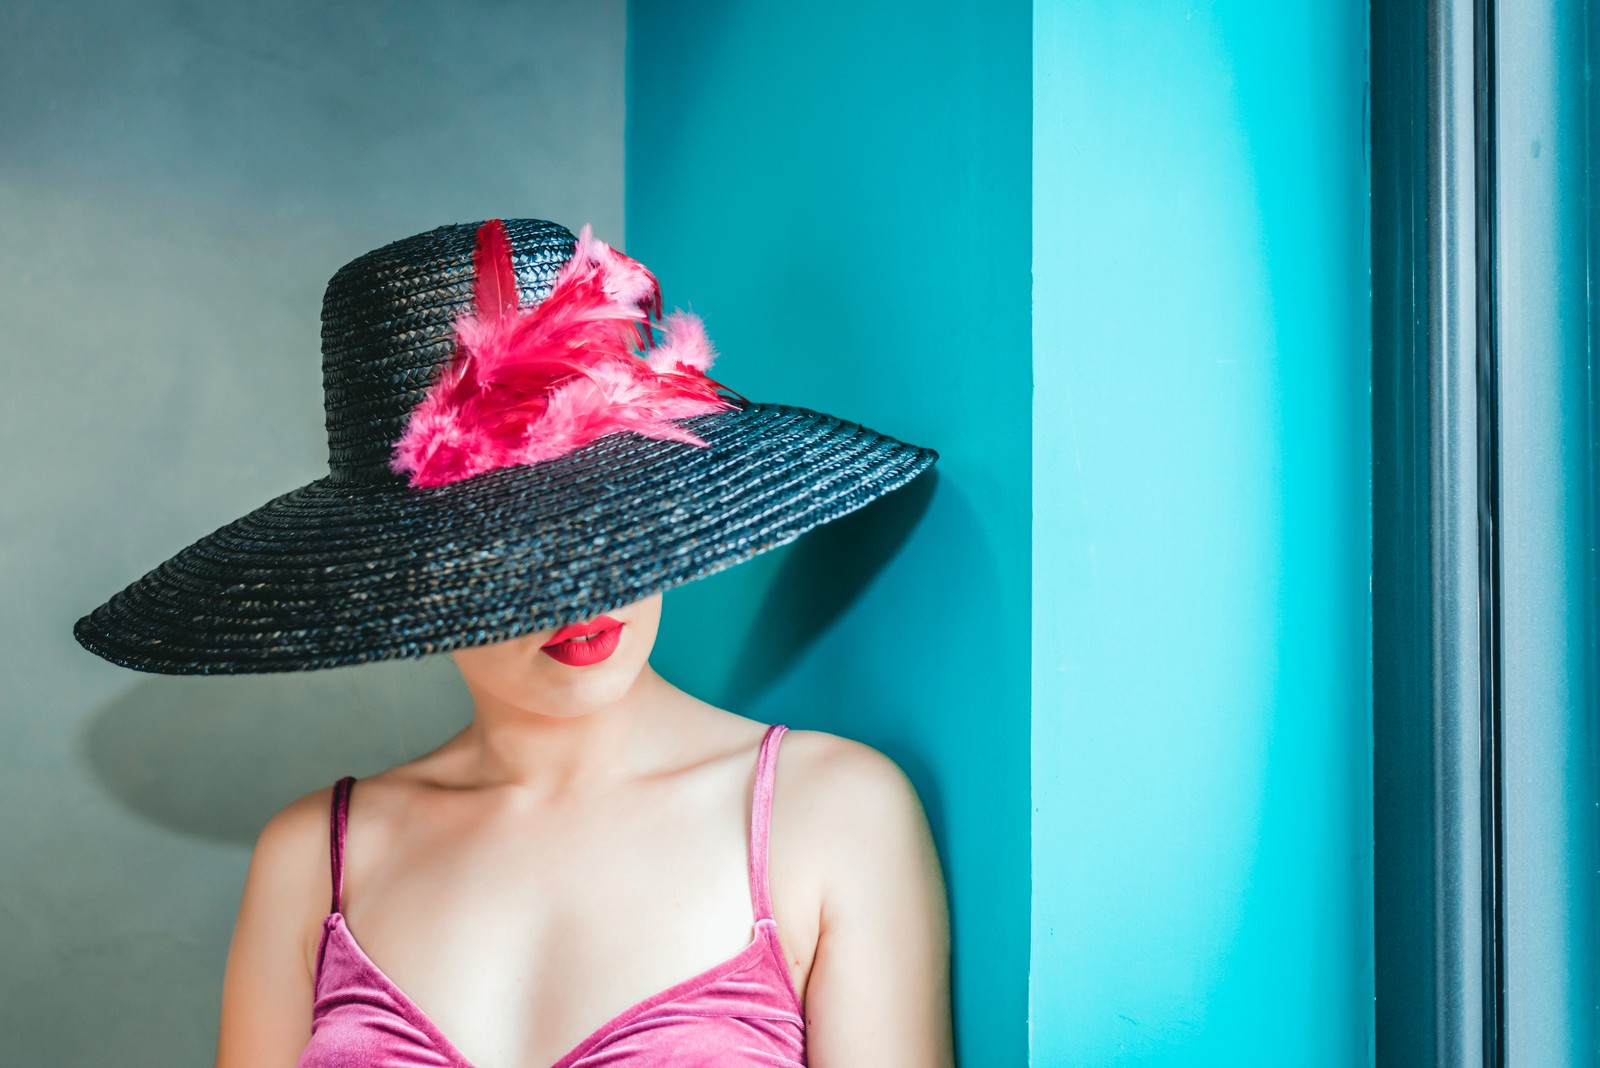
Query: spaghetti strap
point(339, 814)
point(761, 820)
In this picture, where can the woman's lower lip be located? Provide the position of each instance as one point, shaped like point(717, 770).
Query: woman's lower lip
point(578, 653)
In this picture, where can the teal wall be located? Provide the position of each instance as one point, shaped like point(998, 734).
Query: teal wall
point(841, 191)
point(1201, 726)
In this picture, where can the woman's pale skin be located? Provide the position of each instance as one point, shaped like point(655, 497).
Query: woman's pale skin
point(582, 844)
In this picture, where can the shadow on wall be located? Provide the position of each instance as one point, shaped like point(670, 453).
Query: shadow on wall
point(948, 718)
point(216, 756)
point(880, 559)
point(821, 576)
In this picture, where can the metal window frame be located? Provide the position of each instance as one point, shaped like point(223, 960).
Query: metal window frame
point(1486, 705)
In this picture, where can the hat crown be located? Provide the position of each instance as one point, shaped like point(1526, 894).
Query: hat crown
point(387, 331)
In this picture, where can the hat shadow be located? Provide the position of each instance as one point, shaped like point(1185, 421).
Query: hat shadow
point(821, 575)
point(215, 757)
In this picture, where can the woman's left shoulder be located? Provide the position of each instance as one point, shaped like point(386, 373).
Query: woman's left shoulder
point(857, 856)
point(832, 781)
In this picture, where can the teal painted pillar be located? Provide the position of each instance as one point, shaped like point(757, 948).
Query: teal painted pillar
point(841, 191)
point(1201, 549)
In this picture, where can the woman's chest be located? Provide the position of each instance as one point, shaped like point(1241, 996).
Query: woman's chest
point(739, 1011)
point(520, 947)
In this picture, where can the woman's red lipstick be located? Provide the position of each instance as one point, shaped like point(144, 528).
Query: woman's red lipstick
point(582, 644)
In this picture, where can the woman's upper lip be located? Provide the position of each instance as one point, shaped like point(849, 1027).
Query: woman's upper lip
point(578, 630)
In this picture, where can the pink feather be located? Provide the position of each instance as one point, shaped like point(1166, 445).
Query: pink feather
point(683, 344)
point(531, 384)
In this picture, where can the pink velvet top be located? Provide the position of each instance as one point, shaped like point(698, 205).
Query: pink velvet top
point(741, 1012)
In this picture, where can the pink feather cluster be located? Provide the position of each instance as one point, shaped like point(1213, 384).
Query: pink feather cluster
point(531, 384)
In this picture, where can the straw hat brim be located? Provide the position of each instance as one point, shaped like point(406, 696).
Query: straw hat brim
point(337, 573)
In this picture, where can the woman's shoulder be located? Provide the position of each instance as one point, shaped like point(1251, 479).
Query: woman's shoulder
point(287, 886)
point(821, 758)
point(295, 841)
point(854, 856)
point(826, 783)
point(291, 850)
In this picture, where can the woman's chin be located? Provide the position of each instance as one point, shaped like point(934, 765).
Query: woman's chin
point(564, 692)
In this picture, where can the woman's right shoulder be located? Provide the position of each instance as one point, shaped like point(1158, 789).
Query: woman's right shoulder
point(292, 855)
point(288, 887)
point(268, 984)
point(291, 850)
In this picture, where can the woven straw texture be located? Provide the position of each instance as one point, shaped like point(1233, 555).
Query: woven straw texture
point(358, 566)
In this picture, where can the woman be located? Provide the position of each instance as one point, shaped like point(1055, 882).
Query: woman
point(599, 869)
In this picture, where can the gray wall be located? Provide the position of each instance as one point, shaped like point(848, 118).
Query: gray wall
point(177, 183)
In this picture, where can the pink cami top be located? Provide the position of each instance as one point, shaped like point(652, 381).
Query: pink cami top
point(743, 1011)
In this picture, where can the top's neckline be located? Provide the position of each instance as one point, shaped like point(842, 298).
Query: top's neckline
point(758, 942)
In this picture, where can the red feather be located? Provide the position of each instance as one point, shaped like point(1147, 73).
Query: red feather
point(531, 384)
point(496, 276)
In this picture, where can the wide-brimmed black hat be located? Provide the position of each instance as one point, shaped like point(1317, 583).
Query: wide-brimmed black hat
point(366, 564)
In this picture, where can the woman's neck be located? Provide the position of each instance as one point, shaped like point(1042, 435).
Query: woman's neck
point(575, 747)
